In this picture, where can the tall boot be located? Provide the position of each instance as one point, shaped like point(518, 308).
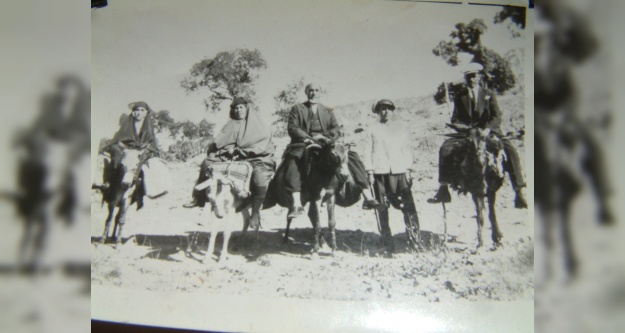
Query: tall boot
point(442, 195)
point(258, 197)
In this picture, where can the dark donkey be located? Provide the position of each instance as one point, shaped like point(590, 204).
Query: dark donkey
point(481, 173)
point(328, 171)
point(124, 176)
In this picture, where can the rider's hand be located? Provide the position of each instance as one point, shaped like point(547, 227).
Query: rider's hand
point(308, 141)
point(320, 138)
point(370, 176)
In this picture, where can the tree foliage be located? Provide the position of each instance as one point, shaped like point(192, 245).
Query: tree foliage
point(453, 90)
point(225, 76)
point(189, 129)
point(466, 39)
point(163, 120)
point(205, 129)
point(284, 100)
point(517, 19)
point(514, 13)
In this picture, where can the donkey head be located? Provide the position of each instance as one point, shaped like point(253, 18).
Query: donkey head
point(219, 192)
point(126, 162)
point(333, 158)
point(484, 156)
point(475, 161)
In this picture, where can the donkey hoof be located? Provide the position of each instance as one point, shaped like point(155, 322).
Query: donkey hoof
point(314, 256)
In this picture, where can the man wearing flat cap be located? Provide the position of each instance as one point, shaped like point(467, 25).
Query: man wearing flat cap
point(477, 106)
point(388, 160)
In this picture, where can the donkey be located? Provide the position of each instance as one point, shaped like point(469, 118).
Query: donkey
point(481, 173)
point(124, 176)
point(42, 181)
point(329, 172)
point(227, 195)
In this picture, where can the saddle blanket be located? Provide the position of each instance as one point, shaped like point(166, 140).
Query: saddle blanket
point(157, 180)
point(238, 172)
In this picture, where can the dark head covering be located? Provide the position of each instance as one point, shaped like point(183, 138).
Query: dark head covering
point(145, 137)
point(132, 106)
point(250, 135)
point(236, 101)
point(383, 102)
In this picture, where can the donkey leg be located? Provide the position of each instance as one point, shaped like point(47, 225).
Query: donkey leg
point(245, 214)
point(313, 214)
point(107, 225)
point(479, 210)
point(571, 262)
point(285, 240)
point(331, 222)
point(120, 221)
point(224, 250)
point(41, 237)
point(211, 246)
point(496, 234)
point(550, 217)
point(26, 242)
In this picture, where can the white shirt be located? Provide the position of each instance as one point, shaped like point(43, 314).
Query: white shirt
point(313, 108)
point(387, 148)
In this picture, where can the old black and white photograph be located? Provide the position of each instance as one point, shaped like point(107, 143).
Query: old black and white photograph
point(312, 165)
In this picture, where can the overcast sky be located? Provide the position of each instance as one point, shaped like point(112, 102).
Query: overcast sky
point(359, 50)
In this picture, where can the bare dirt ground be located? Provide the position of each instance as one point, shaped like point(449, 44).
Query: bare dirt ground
point(156, 237)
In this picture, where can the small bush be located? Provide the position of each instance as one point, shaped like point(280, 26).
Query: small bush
point(186, 149)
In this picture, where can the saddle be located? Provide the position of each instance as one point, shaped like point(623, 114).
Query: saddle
point(238, 172)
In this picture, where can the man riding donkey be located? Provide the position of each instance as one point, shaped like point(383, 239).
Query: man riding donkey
point(310, 123)
point(388, 160)
point(476, 106)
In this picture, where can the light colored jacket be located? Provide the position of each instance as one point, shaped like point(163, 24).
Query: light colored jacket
point(387, 149)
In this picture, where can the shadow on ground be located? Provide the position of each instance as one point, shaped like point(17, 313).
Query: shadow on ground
point(300, 243)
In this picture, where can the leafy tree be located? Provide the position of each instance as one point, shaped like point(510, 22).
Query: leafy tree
point(206, 129)
point(517, 19)
point(452, 88)
point(163, 120)
point(284, 100)
point(189, 129)
point(225, 76)
point(467, 39)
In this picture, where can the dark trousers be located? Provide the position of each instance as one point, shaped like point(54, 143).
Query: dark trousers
point(357, 170)
point(450, 157)
point(297, 171)
point(395, 189)
point(294, 170)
